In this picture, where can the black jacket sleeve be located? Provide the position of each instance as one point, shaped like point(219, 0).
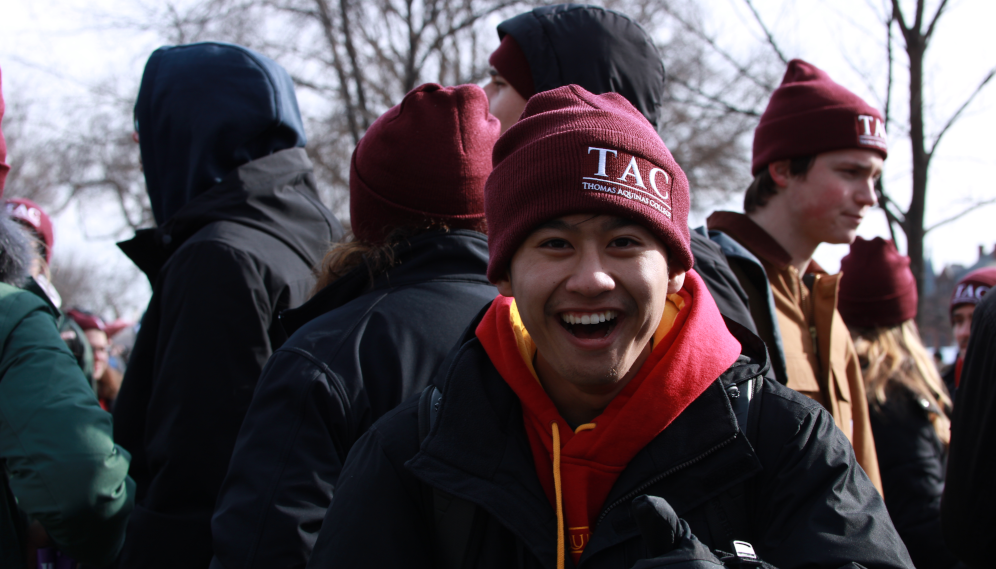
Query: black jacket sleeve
point(355, 532)
point(198, 356)
point(712, 266)
point(968, 509)
point(289, 451)
point(818, 506)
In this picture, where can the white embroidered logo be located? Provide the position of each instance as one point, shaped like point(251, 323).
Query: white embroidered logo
point(658, 196)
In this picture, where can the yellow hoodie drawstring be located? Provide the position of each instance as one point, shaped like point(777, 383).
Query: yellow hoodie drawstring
point(557, 490)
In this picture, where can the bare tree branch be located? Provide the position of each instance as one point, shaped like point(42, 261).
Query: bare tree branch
point(959, 215)
point(933, 21)
point(767, 32)
point(954, 117)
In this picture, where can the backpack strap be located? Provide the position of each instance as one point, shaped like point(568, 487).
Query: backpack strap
point(453, 521)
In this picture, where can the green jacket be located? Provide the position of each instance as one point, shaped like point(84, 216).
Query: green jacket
point(62, 467)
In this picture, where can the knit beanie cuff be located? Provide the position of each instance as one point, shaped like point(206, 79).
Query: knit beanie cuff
point(510, 62)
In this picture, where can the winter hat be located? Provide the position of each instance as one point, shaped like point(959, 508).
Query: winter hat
point(973, 286)
point(809, 114)
point(87, 321)
point(4, 168)
point(575, 152)
point(426, 158)
point(877, 287)
point(29, 214)
point(511, 63)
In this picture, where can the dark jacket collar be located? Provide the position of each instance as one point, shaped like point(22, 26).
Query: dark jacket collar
point(275, 194)
point(479, 411)
point(751, 235)
point(459, 254)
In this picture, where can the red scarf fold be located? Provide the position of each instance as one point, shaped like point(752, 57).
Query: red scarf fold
point(693, 353)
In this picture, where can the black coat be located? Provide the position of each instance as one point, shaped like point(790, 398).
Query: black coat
point(221, 269)
point(911, 459)
point(361, 349)
point(968, 510)
point(810, 503)
point(724, 287)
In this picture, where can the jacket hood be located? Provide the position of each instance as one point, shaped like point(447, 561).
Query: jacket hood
point(205, 109)
point(601, 50)
point(275, 195)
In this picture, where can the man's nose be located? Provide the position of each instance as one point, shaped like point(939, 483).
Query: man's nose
point(590, 277)
point(866, 195)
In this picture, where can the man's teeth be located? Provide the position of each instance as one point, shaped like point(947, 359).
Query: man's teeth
point(589, 318)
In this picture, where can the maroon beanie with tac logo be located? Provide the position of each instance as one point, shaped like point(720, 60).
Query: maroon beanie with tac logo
point(510, 62)
point(28, 213)
point(877, 288)
point(424, 159)
point(809, 114)
point(575, 152)
point(973, 286)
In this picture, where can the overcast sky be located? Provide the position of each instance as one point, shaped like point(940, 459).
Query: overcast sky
point(51, 51)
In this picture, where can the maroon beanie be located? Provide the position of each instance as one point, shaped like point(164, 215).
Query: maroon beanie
point(29, 214)
point(87, 321)
point(426, 158)
point(510, 62)
point(809, 114)
point(4, 168)
point(973, 286)
point(877, 287)
point(575, 152)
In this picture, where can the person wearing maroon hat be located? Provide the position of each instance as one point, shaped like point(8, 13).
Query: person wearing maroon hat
point(601, 395)
point(908, 404)
point(389, 304)
point(818, 151)
point(107, 380)
point(602, 51)
point(967, 294)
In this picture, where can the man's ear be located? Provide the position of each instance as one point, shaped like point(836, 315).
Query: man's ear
point(505, 286)
point(780, 173)
point(675, 281)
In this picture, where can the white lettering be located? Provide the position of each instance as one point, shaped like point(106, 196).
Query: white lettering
point(866, 121)
point(601, 159)
point(879, 128)
point(653, 182)
point(633, 170)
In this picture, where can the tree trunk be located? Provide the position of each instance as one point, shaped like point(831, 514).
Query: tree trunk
point(916, 45)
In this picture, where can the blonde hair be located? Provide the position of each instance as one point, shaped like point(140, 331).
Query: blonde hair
point(895, 356)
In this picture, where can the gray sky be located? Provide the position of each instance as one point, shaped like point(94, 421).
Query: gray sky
point(51, 51)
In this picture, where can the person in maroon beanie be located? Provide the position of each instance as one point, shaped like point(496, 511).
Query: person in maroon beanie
point(908, 404)
point(967, 294)
point(390, 303)
point(601, 413)
point(602, 51)
point(818, 151)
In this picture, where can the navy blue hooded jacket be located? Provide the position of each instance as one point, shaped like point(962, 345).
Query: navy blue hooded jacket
point(240, 226)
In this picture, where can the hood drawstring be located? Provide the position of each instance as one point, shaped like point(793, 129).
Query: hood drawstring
point(557, 488)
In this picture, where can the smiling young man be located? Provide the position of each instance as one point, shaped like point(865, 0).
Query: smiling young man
point(818, 151)
point(602, 394)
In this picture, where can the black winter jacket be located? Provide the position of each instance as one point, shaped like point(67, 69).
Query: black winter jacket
point(968, 509)
point(221, 269)
point(807, 501)
point(362, 348)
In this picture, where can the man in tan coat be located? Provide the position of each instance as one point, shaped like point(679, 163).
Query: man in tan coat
point(818, 152)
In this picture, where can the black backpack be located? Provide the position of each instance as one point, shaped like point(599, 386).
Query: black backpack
point(457, 523)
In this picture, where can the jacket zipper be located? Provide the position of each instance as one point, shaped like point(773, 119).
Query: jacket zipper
point(634, 493)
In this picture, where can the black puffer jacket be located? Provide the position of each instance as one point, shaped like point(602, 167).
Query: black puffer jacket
point(807, 501)
point(912, 459)
point(360, 349)
point(968, 509)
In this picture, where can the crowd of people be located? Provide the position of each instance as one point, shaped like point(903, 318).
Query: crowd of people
point(518, 354)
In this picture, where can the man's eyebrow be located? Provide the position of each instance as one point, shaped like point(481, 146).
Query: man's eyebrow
point(619, 223)
point(558, 224)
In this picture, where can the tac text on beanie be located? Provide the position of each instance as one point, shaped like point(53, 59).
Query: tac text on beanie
point(809, 114)
point(575, 152)
point(973, 286)
point(426, 158)
point(877, 288)
point(28, 213)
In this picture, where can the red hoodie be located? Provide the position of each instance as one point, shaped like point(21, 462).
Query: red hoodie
point(692, 347)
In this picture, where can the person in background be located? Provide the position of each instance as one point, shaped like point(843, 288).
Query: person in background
point(602, 395)
point(602, 51)
point(107, 381)
point(969, 501)
point(64, 483)
point(239, 226)
point(967, 294)
point(818, 150)
point(390, 303)
point(908, 404)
